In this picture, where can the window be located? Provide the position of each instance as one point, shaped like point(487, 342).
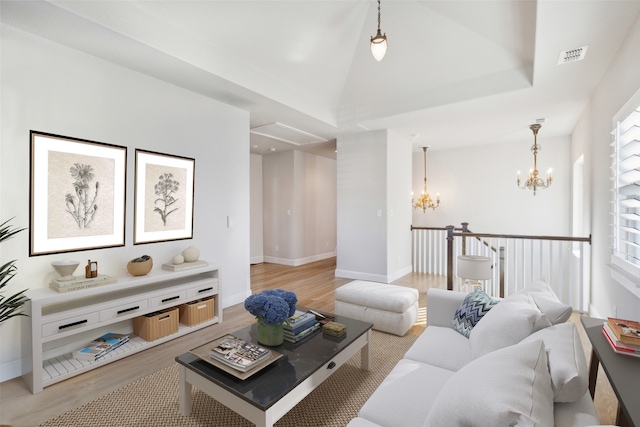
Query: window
point(625, 205)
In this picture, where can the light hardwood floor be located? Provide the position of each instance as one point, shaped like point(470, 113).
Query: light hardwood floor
point(313, 283)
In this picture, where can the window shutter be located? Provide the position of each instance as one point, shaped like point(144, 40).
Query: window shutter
point(626, 193)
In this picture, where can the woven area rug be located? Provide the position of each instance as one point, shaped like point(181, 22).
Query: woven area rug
point(153, 400)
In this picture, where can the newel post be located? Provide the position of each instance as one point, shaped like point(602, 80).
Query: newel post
point(449, 257)
point(465, 229)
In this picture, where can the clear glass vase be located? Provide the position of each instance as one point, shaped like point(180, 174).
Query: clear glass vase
point(270, 335)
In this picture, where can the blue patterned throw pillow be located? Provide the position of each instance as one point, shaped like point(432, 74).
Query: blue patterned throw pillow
point(474, 306)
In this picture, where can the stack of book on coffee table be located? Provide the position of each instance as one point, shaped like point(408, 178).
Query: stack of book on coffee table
point(300, 326)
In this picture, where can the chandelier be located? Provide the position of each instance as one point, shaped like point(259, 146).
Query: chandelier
point(379, 42)
point(425, 201)
point(534, 182)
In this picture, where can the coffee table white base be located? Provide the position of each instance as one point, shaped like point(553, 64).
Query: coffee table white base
point(189, 379)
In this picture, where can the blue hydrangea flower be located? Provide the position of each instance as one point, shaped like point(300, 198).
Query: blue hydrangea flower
point(272, 307)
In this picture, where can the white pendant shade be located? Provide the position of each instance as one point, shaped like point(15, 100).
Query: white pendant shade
point(379, 42)
point(379, 46)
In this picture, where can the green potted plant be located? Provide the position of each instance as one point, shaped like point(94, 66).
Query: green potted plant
point(9, 306)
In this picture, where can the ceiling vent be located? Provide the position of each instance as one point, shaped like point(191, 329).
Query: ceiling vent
point(287, 134)
point(572, 55)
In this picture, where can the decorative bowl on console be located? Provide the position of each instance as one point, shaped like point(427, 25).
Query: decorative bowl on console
point(140, 266)
point(65, 269)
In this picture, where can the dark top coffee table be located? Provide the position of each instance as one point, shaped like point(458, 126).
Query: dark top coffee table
point(623, 373)
point(266, 396)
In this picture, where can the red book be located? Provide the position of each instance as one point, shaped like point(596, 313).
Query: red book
point(620, 347)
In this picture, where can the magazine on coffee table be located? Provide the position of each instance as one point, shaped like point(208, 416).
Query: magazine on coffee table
point(238, 353)
point(236, 356)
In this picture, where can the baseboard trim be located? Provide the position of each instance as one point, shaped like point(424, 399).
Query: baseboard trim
point(10, 370)
point(256, 259)
point(381, 278)
point(356, 275)
point(299, 261)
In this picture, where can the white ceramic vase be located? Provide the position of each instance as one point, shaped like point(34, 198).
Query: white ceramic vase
point(191, 254)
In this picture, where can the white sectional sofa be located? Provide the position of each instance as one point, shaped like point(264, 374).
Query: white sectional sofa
point(522, 364)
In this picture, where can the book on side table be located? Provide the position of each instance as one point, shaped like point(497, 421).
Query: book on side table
point(627, 331)
point(617, 345)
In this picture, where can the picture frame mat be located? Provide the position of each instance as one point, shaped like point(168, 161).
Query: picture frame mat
point(144, 158)
point(41, 145)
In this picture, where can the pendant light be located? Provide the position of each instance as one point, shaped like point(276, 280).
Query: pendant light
point(379, 42)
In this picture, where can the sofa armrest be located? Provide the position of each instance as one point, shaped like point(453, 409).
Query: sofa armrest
point(442, 306)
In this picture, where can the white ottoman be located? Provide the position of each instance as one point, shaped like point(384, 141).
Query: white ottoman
point(391, 308)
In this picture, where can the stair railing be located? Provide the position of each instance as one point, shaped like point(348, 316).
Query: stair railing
point(517, 260)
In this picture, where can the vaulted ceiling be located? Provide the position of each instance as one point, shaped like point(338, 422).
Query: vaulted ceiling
point(457, 73)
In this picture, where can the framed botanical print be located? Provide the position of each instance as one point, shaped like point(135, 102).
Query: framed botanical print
point(164, 190)
point(77, 194)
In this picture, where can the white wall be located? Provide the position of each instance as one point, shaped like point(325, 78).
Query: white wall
point(398, 210)
point(257, 251)
point(373, 184)
point(299, 207)
point(317, 226)
point(591, 137)
point(51, 88)
point(478, 185)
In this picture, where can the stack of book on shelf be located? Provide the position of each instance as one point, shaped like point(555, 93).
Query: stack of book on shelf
point(101, 346)
point(78, 283)
point(300, 326)
point(238, 353)
point(623, 336)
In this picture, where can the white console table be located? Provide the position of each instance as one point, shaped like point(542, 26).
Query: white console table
point(59, 323)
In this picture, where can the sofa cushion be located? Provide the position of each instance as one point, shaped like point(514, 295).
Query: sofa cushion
point(509, 387)
point(442, 347)
point(548, 303)
point(441, 304)
point(567, 364)
point(507, 323)
point(405, 395)
point(579, 413)
point(474, 306)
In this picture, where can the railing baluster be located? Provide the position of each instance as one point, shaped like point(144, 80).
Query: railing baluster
point(517, 260)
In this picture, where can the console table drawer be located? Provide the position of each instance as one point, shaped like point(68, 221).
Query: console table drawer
point(203, 290)
point(170, 299)
point(64, 325)
point(131, 309)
